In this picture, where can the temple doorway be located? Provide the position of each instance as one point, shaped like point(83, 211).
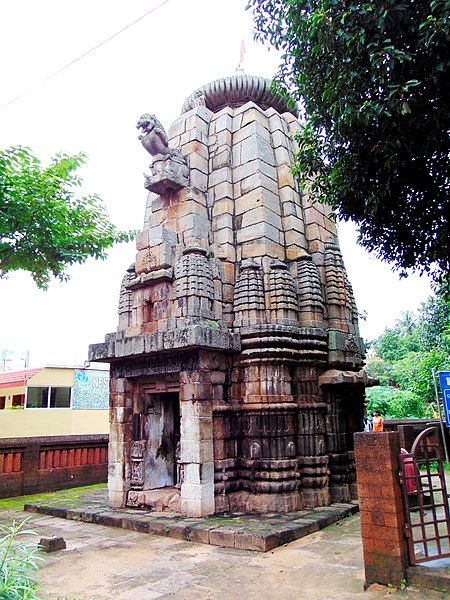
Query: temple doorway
point(162, 436)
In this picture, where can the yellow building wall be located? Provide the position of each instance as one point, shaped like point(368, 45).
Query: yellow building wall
point(31, 422)
point(52, 421)
point(52, 377)
point(45, 378)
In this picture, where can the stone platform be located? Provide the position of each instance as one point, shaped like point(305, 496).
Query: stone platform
point(240, 531)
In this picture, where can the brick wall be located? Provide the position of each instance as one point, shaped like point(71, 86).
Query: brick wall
point(44, 464)
point(381, 508)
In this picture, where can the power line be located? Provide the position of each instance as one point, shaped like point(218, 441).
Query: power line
point(72, 62)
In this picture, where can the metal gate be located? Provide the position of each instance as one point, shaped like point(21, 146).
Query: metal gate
point(425, 499)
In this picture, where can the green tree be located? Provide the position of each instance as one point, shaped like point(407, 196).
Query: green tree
point(407, 323)
point(395, 343)
point(405, 404)
point(373, 80)
point(44, 227)
point(380, 369)
point(413, 372)
point(393, 403)
point(434, 323)
point(405, 357)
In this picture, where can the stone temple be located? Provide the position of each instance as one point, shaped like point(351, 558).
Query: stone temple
point(236, 371)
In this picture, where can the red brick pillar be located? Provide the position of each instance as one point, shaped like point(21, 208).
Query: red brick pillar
point(382, 520)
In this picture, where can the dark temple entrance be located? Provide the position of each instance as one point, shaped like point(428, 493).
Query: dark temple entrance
point(161, 433)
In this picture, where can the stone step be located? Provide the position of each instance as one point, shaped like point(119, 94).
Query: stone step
point(245, 532)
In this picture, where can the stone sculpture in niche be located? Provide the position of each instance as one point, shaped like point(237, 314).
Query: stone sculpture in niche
point(169, 170)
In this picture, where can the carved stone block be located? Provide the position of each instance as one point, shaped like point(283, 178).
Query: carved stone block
point(167, 175)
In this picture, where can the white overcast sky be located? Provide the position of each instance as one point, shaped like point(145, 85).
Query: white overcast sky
point(93, 106)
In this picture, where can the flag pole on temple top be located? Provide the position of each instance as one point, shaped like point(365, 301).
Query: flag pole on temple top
point(239, 68)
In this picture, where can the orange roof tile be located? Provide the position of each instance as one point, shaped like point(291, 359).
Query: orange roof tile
point(16, 378)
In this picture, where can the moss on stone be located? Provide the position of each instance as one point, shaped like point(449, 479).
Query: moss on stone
point(70, 498)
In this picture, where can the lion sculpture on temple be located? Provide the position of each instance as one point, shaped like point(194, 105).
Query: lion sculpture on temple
point(153, 135)
point(168, 163)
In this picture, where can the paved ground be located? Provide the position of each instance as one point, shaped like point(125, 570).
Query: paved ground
point(107, 563)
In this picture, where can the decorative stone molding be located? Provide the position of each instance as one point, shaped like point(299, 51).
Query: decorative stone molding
point(126, 298)
point(310, 296)
point(249, 304)
point(236, 91)
point(283, 298)
point(336, 289)
point(338, 377)
point(194, 287)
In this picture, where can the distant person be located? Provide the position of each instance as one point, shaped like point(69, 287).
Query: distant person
point(377, 421)
point(367, 424)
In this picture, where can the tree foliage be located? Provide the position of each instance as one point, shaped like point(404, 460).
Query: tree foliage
point(394, 344)
point(396, 404)
point(373, 79)
point(44, 226)
point(434, 326)
point(404, 359)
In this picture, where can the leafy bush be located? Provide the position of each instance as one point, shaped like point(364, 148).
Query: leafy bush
point(17, 562)
point(378, 399)
point(394, 403)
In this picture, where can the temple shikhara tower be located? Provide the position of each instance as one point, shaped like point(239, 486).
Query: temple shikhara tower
point(236, 371)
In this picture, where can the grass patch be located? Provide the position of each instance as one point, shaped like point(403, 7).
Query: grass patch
point(67, 497)
point(18, 562)
point(221, 521)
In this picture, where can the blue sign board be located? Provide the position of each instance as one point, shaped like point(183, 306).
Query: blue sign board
point(444, 380)
point(90, 389)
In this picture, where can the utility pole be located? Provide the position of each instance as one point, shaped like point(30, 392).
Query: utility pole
point(441, 420)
